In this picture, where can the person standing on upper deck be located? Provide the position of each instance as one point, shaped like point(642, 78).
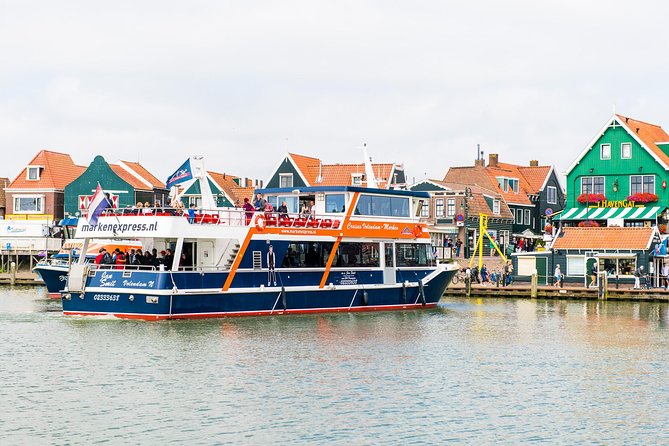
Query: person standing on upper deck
point(259, 203)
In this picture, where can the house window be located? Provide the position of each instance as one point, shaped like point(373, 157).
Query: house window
point(495, 207)
point(552, 195)
point(519, 216)
point(527, 217)
point(626, 150)
point(642, 183)
point(575, 265)
point(195, 201)
point(425, 209)
point(33, 173)
point(356, 179)
point(450, 207)
point(622, 266)
point(592, 185)
point(29, 204)
point(285, 180)
point(439, 207)
point(605, 151)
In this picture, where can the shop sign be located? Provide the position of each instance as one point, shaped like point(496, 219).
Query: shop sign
point(616, 204)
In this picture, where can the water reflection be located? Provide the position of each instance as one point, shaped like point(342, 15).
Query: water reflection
point(471, 371)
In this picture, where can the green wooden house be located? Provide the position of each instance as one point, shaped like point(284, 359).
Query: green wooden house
point(127, 183)
point(620, 178)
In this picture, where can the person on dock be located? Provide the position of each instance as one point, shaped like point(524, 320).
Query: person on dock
point(637, 277)
point(593, 275)
point(665, 275)
point(558, 276)
point(484, 274)
point(458, 246)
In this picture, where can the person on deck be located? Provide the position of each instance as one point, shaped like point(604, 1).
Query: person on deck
point(248, 210)
point(259, 203)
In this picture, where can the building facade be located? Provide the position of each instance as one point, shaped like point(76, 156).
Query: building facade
point(620, 178)
point(38, 191)
point(127, 183)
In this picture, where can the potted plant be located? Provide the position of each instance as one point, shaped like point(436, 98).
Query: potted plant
point(643, 197)
point(588, 224)
point(591, 198)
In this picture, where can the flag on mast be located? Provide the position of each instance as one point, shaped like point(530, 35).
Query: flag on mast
point(97, 205)
point(183, 173)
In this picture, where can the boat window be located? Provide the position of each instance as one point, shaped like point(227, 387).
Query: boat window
point(307, 254)
point(291, 202)
point(382, 206)
point(413, 254)
point(335, 203)
point(358, 255)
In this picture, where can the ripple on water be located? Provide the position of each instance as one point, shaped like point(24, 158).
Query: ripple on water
point(472, 372)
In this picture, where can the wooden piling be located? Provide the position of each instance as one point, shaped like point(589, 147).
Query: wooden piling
point(12, 273)
point(534, 285)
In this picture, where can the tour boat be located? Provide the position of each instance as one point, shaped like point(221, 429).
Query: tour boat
point(54, 271)
point(351, 249)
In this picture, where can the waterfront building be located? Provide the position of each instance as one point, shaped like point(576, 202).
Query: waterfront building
point(452, 213)
point(618, 251)
point(620, 178)
point(532, 193)
point(38, 191)
point(304, 171)
point(227, 190)
point(127, 183)
point(4, 182)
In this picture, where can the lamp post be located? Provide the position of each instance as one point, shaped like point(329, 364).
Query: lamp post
point(468, 194)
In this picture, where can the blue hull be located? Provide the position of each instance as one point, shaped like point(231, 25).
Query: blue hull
point(55, 278)
point(152, 297)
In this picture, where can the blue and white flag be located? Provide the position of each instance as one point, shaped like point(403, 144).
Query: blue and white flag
point(183, 173)
point(97, 205)
point(661, 248)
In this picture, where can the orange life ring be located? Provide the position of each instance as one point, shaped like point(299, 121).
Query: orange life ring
point(260, 223)
point(417, 231)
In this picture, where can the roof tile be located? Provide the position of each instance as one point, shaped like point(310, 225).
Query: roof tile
point(603, 238)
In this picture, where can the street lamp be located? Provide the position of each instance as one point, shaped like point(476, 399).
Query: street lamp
point(467, 196)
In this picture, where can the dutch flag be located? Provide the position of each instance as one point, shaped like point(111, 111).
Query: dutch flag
point(96, 206)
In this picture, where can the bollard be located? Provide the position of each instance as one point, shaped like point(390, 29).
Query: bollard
point(534, 285)
point(12, 273)
point(468, 285)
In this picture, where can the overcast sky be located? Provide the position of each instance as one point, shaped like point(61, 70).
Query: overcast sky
point(244, 82)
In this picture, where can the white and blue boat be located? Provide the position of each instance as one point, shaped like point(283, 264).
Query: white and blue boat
point(358, 249)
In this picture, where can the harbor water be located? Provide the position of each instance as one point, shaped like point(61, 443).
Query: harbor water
point(470, 372)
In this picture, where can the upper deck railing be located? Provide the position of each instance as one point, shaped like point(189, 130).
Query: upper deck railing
point(234, 217)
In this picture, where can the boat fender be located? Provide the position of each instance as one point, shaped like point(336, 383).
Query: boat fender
point(283, 297)
point(260, 223)
point(421, 292)
point(404, 293)
point(417, 231)
point(365, 298)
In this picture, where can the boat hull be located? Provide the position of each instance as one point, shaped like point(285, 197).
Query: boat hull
point(163, 303)
point(54, 278)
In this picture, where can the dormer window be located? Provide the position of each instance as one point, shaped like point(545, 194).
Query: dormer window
point(508, 184)
point(356, 179)
point(33, 173)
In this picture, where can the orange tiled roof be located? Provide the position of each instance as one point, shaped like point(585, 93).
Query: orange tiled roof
point(650, 134)
point(129, 178)
point(59, 171)
point(239, 193)
point(478, 204)
point(603, 238)
point(228, 184)
point(148, 176)
point(486, 177)
point(535, 176)
point(338, 174)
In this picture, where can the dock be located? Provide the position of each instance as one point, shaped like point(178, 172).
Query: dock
point(524, 291)
point(20, 278)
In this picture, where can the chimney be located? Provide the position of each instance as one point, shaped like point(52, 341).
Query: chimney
point(492, 159)
point(479, 162)
point(534, 163)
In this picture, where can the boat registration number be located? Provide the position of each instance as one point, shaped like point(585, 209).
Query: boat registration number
point(112, 297)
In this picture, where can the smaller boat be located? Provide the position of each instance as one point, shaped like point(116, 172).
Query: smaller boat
point(54, 271)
